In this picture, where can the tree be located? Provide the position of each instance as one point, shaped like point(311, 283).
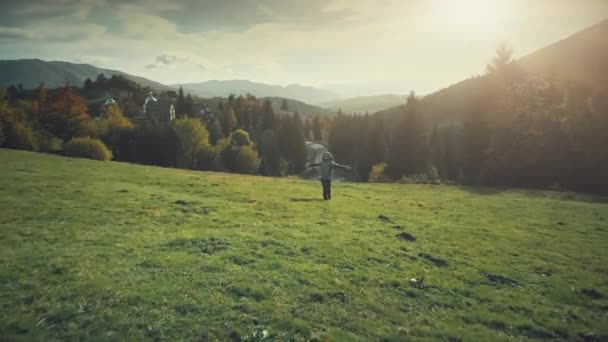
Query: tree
point(116, 118)
point(247, 160)
point(503, 65)
point(268, 116)
point(240, 138)
point(192, 137)
point(66, 115)
point(504, 57)
point(189, 106)
point(298, 152)
point(408, 148)
point(317, 129)
point(284, 105)
point(307, 128)
point(216, 132)
point(374, 148)
point(228, 119)
point(180, 105)
point(271, 156)
point(101, 81)
point(88, 84)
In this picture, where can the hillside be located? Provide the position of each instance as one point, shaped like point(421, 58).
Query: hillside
point(104, 250)
point(217, 88)
point(364, 104)
point(582, 57)
point(31, 72)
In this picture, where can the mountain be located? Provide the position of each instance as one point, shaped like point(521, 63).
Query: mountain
point(31, 72)
point(298, 92)
point(304, 109)
point(581, 57)
point(363, 104)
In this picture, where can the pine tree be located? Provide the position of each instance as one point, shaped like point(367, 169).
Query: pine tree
point(271, 156)
point(307, 128)
point(408, 147)
point(298, 152)
point(180, 105)
point(317, 129)
point(189, 106)
point(228, 119)
point(284, 105)
point(268, 117)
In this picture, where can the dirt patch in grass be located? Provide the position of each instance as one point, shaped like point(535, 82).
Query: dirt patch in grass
point(434, 260)
point(237, 260)
point(592, 293)
point(498, 279)
point(328, 297)
point(406, 236)
point(245, 292)
point(187, 309)
point(384, 218)
point(202, 245)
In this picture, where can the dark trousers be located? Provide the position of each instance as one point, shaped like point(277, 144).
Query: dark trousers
point(326, 188)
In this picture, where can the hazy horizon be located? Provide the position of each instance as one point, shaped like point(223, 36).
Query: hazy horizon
point(359, 47)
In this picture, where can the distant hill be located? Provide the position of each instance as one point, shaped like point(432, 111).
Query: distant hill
point(582, 57)
point(304, 109)
point(363, 104)
point(31, 72)
point(298, 92)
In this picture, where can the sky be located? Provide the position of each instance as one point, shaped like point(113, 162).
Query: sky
point(357, 47)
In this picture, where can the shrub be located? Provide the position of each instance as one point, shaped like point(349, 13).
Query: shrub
point(207, 158)
point(49, 143)
point(240, 138)
point(377, 174)
point(1, 134)
point(21, 137)
point(247, 160)
point(85, 147)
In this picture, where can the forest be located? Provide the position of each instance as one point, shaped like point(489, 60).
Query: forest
point(505, 128)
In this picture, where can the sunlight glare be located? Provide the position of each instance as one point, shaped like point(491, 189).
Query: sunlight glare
point(471, 17)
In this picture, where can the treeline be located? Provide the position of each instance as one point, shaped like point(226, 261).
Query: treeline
point(517, 130)
point(242, 135)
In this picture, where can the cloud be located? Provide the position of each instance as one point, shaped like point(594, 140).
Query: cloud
point(166, 59)
point(14, 33)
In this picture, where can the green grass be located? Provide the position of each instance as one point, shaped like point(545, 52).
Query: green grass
point(111, 251)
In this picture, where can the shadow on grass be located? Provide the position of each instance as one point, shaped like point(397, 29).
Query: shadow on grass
point(542, 193)
point(306, 199)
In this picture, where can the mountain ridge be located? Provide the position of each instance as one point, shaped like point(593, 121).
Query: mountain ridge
point(30, 72)
point(224, 88)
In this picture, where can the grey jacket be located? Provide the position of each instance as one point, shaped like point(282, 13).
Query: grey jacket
point(328, 165)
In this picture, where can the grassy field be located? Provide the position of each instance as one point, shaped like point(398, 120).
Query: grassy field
point(111, 251)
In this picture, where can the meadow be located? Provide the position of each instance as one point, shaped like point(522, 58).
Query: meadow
point(112, 251)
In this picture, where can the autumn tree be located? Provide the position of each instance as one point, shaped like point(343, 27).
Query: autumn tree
point(192, 137)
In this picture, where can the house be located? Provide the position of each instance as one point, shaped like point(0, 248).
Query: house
point(200, 110)
point(159, 110)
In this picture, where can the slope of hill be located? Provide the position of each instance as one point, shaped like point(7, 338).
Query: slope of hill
point(31, 72)
point(216, 88)
point(363, 104)
point(158, 254)
point(582, 57)
point(300, 107)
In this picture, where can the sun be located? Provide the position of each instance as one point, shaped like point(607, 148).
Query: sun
point(470, 16)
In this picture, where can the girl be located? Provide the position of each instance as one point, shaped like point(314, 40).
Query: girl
point(327, 164)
